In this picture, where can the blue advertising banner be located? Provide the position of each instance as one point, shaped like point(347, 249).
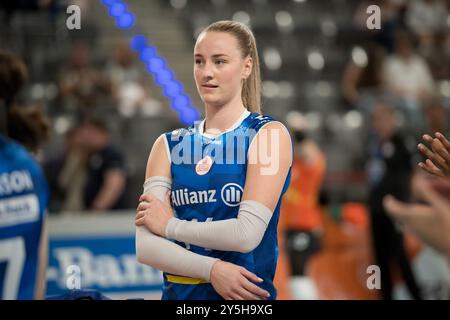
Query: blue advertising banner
point(98, 253)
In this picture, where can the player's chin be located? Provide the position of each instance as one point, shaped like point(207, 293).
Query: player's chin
point(211, 99)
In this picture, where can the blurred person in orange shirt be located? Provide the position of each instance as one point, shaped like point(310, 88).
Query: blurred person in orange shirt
point(301, 219)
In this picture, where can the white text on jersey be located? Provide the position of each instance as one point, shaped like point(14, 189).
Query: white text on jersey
point(15, 182)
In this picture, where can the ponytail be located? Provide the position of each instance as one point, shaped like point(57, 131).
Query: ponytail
point(251, 89)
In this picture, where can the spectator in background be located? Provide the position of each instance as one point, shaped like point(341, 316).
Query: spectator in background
point(405, 73)
point(301, 215)
point(66, 174)
point(427, 19)
point(82, 87)
point(90, 174)
point(130, 86)
point(389, 170)
point(106, 174)
point(407, 76)
point(362, 79)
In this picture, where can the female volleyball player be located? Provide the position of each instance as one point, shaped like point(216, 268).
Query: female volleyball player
point(23, 191)
point(226, 177)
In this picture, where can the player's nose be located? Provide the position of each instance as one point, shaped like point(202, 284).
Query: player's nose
point(207, 71)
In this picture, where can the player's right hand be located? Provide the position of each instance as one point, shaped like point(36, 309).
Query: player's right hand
point(438, 155)
point(234, 282)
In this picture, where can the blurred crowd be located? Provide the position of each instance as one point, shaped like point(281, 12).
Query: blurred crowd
point(90, 173)
point(408, 60)
point(399, 79)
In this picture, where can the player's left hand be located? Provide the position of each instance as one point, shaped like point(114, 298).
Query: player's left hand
point(154, 214)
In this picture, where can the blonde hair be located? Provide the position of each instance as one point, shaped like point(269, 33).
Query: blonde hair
point(251, 89)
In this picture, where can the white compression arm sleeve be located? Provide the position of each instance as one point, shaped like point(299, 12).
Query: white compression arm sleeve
point(242, 234)
point(163, 254)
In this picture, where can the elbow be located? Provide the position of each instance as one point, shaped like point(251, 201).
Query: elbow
point(248, 239)
point(248, 245)
point(139, 254)
point(143, 252)
point(145, 258)
point(139, 257)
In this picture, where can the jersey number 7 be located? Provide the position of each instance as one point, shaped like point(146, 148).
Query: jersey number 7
point(12, 251)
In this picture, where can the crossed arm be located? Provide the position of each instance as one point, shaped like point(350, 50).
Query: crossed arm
point(157, 251)
point(261, 194)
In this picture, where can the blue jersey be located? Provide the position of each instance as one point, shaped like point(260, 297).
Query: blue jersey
point(213, 192)
point(23, 202)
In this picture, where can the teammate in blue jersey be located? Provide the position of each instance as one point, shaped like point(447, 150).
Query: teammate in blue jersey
point(209, 213)
point(23, 191)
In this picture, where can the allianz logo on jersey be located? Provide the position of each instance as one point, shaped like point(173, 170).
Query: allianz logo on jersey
point(231, 195)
